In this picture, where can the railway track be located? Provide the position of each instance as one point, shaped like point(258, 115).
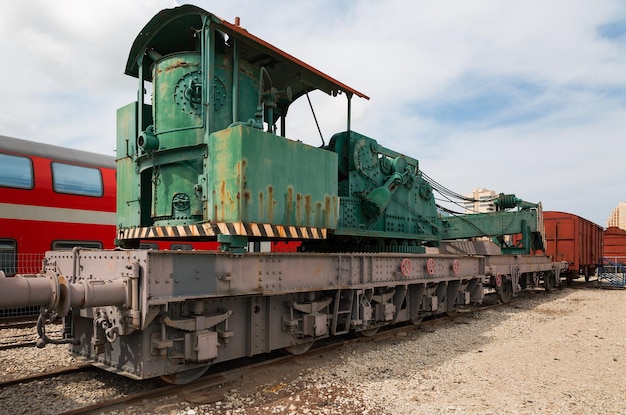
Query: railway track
point(19, 333)
point(8, 346)
point(211, 387)
point(208, 389)
point(15, 340)
point(47, 375)
point(18, 323)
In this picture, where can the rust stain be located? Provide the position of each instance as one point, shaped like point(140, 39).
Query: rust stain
point(327, 209)
point(318, 213)
point(226, 202)
point(270, 204)
point(178, 64)
point(289, 205)
point(261, 205)
point(307, 209)
point(222, 200)
point(214, 206)
point(298, 209)
point(243, 191)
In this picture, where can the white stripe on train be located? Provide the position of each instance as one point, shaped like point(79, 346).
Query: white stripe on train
point(53, 214)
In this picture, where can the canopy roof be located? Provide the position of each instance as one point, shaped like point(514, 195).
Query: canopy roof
point(178, 29)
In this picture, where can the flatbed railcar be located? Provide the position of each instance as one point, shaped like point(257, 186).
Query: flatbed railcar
point(210, 160)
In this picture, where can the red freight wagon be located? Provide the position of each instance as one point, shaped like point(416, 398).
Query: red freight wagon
point(615, 244)
point(575, 240)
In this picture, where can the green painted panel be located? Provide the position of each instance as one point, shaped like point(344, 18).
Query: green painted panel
point(257, 177)
point(128, 209)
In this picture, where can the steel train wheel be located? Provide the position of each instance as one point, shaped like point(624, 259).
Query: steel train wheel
point(505, 291)
point(549, 282)
point(299, 348)
point(368, 332)
point(417, 320)
point(186, 376)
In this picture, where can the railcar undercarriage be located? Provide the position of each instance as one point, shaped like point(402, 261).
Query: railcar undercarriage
point(172, 314)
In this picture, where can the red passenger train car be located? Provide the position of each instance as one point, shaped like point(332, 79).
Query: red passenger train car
point(55, 198)
point(52, 198)
point(575, 240)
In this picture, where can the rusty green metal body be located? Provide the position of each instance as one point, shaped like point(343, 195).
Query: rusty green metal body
point(205, 160)
point(210, 159)
point(383, 194)
point(256, 177)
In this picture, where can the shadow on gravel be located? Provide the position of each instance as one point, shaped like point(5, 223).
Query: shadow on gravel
point(326, 378)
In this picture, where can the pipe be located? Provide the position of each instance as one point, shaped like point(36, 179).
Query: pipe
point(134, 292)
point(57, 294)
point(75, 253)
point(140, 95)
point(28, 290)
point(235, 91)
point(99, 293)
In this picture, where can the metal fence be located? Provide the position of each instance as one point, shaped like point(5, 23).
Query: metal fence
point(12, 264)
point(613, 272)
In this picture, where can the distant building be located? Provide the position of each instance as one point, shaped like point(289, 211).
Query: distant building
point(617, 218)
point(483, 201)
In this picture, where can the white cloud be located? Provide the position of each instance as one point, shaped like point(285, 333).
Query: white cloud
point(523, 97)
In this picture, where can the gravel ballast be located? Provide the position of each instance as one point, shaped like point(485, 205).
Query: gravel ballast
point(557, 353)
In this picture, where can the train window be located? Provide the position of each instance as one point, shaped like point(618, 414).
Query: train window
point(76, 180)
point(8, 256)
point(148, 245)
point(66, 245)
point(16, 171)
point(181, 247)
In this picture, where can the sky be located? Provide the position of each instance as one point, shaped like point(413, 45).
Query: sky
point(519, 97)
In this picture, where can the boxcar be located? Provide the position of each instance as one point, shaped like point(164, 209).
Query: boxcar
point(575, 240)
point(615, 244)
